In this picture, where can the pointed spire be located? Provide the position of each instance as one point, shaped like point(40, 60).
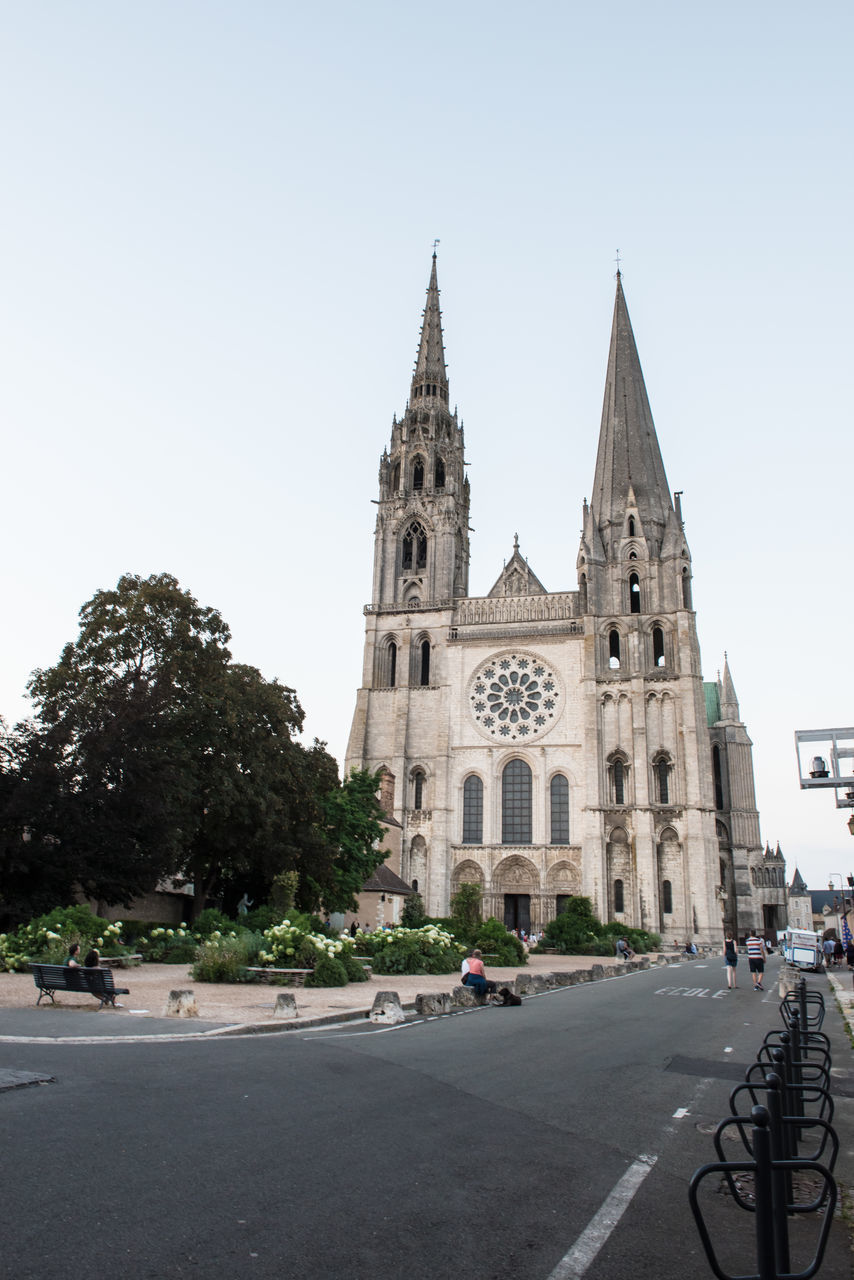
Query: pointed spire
point(430, 378)
point(729, 701)
point(798, 887)
point(628, 455)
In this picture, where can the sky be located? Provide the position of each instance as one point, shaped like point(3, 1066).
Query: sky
point(215, 238)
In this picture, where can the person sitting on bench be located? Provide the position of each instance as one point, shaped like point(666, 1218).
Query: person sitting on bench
point(476, 977)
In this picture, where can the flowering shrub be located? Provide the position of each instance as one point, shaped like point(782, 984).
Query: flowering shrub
point(170, 946)
point(288, 946)
point(47, 939)
point(425, 950)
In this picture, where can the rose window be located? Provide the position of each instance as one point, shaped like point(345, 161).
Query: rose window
point(514, 696)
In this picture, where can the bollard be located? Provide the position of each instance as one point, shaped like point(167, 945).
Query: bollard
point(286, 1005)
point(181, 1004)
point(762, 1176)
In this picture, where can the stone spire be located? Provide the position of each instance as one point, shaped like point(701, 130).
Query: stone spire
point(629, 458)
point(430, 377)
point(729, 701)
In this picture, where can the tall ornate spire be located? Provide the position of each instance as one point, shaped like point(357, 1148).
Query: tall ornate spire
point(430, 377)
point(629, 459)
point(729, 701)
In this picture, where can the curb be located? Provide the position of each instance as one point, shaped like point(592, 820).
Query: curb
point(538, 981)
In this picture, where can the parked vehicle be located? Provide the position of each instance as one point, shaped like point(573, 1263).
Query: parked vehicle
point(802, 949)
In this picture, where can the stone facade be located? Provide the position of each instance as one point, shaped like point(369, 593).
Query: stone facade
point(547, 744)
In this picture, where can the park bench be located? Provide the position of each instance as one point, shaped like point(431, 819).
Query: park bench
point(120, 962)
point(58, 977)
point(297, 976)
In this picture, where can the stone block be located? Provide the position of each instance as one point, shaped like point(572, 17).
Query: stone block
point(433, 1003)
point(286, 1005)
point(464, 997)
point(563, 977)
point(181, 1004)
point(525, 984)
point(387, 1008)
point(597, 972)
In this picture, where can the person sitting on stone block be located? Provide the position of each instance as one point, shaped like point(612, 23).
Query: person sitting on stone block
point(476, 977)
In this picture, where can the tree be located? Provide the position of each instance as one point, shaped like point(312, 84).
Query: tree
point(466, 909)
point(352, 830)
point(152, 755)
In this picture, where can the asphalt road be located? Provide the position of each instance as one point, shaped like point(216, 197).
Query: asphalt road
point(481, 1145)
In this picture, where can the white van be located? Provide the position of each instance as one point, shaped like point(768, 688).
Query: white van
point(802, 949)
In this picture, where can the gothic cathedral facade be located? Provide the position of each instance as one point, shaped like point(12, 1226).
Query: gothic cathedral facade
point(546, 744)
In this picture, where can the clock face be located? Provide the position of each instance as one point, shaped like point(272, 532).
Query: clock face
point(515, 696)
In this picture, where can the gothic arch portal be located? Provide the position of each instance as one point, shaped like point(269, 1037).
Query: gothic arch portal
point(562, 878)
point(516, 875)
point(468, 872)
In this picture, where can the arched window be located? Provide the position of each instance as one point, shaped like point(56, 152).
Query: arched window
point(631, 526)
point(439, 474)
point(657, 647)
point(418, 474)
point(516, 803)
point(613, 648)
point(472, 810)
point(418, 789)
point(619, 777)
point(634, 593)
point(619, 899)
point(559, 809)
point(415, 886)
point(413, 553)
point(395, 478)
point(392, 663)
point(686, 589)
point(424, 674)
point(667, 898)
point(661, 769)
point(718, 776)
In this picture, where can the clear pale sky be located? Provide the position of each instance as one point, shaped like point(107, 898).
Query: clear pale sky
point(216, 228)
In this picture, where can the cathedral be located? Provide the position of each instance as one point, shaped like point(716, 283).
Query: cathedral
point(546, 744)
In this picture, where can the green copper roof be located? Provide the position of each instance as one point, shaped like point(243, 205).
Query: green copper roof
point(713, 702)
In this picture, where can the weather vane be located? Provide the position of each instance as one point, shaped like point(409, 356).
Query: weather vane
point(617, 260)
point(435, 242)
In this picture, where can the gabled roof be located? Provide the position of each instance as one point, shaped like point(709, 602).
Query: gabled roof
point(517, 578)
point(384, 880)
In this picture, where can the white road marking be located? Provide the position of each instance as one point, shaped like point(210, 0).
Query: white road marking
point(680, 1113)
point(575, 1263)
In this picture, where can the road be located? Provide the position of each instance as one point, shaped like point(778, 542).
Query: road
point(483, 1144)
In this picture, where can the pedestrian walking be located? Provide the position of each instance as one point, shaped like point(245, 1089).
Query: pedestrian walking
point(731, 956)
point(756, 960)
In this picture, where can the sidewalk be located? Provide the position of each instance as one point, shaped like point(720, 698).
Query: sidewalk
point(224, 1008)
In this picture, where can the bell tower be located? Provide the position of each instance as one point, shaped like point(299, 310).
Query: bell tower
point(421, 543)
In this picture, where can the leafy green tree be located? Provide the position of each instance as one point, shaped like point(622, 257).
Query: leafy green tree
point(152, 755)
point(413, 915)
point(466, 911)
point(352, 831)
